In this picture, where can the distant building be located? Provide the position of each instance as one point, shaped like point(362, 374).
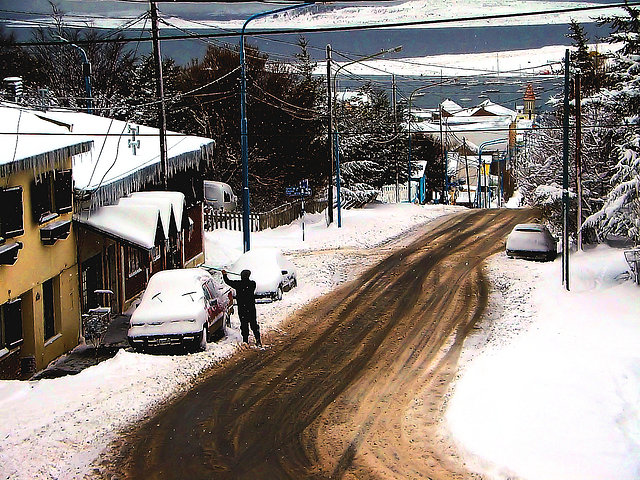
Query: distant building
point(529, 110)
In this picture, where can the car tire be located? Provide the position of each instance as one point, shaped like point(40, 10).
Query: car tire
point(279, 293)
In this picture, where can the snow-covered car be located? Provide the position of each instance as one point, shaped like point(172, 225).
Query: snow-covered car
point(531, 240)
point(180, 307)
point(271, 271)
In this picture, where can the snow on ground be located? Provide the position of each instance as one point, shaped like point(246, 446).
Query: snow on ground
point(541, 396)
point(56, 428)
point(551, 386)
point(504, 63)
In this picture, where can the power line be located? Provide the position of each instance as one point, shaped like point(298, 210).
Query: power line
point(366, 132)
point(440, 21)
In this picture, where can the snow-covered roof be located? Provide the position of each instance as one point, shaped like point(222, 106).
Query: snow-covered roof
point(174, 199)
point(32, 142)
point(487, 108)
point(450, 106)
point(136, 224)
point(135, 218)
point(111, 169)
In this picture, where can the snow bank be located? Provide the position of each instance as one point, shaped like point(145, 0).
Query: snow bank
point(556, 392)
point(361, 228)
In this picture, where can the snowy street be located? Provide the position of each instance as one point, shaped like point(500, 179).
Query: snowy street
point(523, 355)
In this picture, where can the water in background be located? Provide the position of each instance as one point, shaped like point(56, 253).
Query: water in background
point(466, 91)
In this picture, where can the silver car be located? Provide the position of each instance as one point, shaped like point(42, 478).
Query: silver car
point(531, 240)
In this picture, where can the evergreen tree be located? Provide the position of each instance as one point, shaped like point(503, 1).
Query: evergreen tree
point(370, 152)
point(588, 63)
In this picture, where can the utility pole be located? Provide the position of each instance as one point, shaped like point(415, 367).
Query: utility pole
point(444, 181)
point(565, 176)
point(395, 129)
point(162, 121)
point(329, 140)
point(466, 166)
point(579, 156)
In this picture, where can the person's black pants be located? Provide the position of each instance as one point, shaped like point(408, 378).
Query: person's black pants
point(248, 318)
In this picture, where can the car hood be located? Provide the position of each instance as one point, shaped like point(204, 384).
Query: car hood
point(161, 313)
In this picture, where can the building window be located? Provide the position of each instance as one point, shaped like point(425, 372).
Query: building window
point(11, 216)
point(134, 261)
point(155, 253)
point(11, 324)
point(48, 308)
point(51, 195)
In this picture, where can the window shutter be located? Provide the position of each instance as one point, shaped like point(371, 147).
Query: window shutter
point(12, 222)
point(40, 201)
point(13, 323)
point(63, 191)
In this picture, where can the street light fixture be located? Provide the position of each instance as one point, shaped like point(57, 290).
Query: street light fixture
point(244, 144)
point(86, 72)
point(335, 133)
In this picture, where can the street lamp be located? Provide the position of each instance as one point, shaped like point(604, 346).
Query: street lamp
point(409, 127)
point(243, 124)
point(86, 72)
point(336, 142)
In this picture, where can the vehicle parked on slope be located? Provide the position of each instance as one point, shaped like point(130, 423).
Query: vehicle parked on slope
point(183, 307)
point(272, 272)
point(531, 240)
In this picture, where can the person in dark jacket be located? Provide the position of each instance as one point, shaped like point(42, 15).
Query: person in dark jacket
point(245, 297)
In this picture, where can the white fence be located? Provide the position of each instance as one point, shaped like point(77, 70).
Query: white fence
point(389, 193)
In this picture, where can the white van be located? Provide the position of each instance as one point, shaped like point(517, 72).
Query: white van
point(219, 196)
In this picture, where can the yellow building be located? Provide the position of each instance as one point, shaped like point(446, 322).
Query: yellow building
point(39, 287)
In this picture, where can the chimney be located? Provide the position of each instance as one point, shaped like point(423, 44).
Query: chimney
point(13, 86)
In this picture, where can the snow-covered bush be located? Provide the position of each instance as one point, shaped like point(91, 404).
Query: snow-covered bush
point(620, 214)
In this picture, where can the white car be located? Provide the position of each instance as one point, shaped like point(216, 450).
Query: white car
point(180, 307)
point(271, 271)
point(531, 240)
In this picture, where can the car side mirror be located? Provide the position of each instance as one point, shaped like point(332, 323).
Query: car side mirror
point(284, 272)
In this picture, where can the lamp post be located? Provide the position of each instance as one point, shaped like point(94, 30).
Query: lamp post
point(337, 146)
point(244, 144)
point(409, 128)
point(86, 72)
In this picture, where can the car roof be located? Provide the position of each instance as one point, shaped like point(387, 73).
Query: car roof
point(530, 226)
point(183, 276)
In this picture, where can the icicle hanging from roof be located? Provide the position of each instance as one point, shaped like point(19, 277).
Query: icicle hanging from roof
point(110, 193)
point(47, 161)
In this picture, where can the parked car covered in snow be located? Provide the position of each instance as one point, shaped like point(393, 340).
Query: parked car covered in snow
point(271, 271)
point(531, 240)
point(180, 307)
